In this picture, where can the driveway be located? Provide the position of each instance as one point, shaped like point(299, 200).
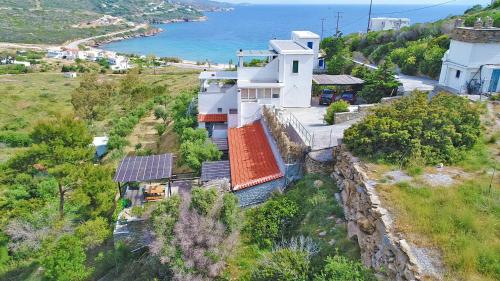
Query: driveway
point(324, 136)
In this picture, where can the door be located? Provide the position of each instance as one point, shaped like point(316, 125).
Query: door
point(495, 76)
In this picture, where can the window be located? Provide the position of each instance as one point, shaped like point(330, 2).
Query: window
point(219, 110)
point(295, 68)
point(276, 93)
point(457, 74)
point(310, 45)
point(321, 62)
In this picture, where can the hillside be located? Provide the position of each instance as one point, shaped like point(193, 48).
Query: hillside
point(57, 21)
point(416, 50)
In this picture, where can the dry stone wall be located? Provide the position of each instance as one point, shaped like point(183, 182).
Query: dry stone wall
point(371, 224)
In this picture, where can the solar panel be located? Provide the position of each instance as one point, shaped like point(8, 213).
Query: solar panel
point(144, 168)
point(215, 170)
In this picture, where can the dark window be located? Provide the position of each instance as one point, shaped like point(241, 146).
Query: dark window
point(321, 63)
point(295, 66)
point(233, 111)
point(310, 45)
point(219, 109)
point(457, 75)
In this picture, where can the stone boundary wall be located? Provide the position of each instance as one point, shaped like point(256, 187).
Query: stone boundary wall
point(372, 225)
point(361, 112)
point(476, 35)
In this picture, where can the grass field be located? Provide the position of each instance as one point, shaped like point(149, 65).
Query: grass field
point(27, 98)
point(461, 220)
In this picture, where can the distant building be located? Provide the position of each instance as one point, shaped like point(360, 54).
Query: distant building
point(378, 24)
point(472, 64)
point(70, 74)
point(55, 53)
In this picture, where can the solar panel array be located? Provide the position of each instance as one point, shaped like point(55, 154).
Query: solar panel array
point(215, 170)
point(144, 168)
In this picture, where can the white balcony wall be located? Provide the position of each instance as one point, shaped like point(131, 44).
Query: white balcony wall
point(268, 72)
point(250, 112)
point(209, 103)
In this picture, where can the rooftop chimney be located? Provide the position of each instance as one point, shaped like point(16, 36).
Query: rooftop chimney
point(478, 24)
point(489, 22)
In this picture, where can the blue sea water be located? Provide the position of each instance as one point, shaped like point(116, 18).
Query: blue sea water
point(251, 27)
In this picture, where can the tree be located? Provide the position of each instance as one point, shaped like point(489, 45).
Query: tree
point(337, 55)
point(94, 232)
point(193, 154)
point(161, 113)
point(64, 260)
point(160, 129)
point(151, 62)
point(339, 268)
point(380, 83)
point(283, 264)
point(91, 98)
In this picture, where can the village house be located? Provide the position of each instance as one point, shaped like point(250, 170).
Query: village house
point(472, 63)
point(230, 106)
point(378, 24)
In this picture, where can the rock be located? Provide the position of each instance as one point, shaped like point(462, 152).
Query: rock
point(322, 233)
point(318, 183)
point(332, 242)
point(365, 225)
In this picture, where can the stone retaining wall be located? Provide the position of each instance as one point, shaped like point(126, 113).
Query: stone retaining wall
point(476, 35)
point(372, 226)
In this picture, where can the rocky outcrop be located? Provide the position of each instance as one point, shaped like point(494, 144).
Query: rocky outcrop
point(371, 224)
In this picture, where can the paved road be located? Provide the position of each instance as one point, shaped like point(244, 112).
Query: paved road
point(74, 44)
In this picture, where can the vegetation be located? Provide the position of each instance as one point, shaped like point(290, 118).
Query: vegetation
point(13, 69)
point(335, 107)
point(338, 57)
point(295, 231)
point(412, 128)
point(379, 83)
point(339, 268)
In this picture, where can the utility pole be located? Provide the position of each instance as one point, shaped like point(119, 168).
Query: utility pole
point(322, 28)
point(337, 32)
point(369, 17)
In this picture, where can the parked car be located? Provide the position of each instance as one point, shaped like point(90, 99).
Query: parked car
point(349, 96)
point(326, 97)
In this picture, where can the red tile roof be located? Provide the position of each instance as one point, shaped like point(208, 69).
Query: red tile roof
point(252, 160)
point(212, 118)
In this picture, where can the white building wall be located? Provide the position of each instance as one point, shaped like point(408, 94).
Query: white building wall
point(269, 72)
point(304, 42)
point(473, 54)
point(208, 103)
point(298, 86)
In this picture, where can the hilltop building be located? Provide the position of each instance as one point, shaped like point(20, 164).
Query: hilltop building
point(378, 24)
point(472, 63)
point(230, 105)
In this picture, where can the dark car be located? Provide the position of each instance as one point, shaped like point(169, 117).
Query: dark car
point(348, 96)
point(326, 97)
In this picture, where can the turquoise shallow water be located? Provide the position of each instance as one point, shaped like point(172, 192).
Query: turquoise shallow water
point(250, 27)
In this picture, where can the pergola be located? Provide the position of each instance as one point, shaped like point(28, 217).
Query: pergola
point(337, 80)
point(144, 168)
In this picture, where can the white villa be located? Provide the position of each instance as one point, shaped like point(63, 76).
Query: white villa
point(472, 64)
point(235, 98)
point(378, 24)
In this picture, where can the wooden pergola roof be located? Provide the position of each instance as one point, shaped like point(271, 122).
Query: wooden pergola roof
point(337, 80)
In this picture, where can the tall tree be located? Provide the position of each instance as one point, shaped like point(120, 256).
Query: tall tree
point(91, 98)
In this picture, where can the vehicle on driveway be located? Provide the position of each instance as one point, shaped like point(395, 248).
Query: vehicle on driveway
point(328, 96)
point(349, 96)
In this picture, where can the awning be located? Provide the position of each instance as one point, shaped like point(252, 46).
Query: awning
point(217, 118)
point(215, 170)
point(341, 80)
point(144, 168)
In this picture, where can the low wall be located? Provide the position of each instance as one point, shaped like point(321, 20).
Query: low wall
point(319, 162)
point(371, 224)
point(259, 193)
point(361, 112)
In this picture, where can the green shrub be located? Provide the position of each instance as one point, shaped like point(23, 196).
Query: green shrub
point(335, 107)
point(203, 200)
point(193, 154)
point(414, 127)
point(15, 139)
point(229, 211)
point(137, 211)
point(283, 264)
point(267, 223)
point(339, 268)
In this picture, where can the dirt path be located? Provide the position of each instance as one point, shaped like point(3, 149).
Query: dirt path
point(74, 44)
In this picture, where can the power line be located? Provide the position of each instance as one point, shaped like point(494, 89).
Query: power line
point(417, 9)
point(337, 32)
point(369, 16)
point(322, 28)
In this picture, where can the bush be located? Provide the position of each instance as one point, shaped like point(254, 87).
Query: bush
point(160, 128)
point(414, 127)
point(283, 264)
point(267, 223)
point(336, 107)
point(339, 268)
point(202, 200)
point(15, 139)
point(193, 154)
point(229, 211)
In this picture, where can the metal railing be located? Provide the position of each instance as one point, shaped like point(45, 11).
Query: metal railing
point(291, 120)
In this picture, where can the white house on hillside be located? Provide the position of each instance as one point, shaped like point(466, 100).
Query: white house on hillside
point(378, 24)
point(284, 80)
point(472, 64)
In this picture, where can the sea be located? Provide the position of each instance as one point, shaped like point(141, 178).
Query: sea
point(250, 27)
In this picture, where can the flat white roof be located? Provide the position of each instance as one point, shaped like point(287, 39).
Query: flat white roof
point(289, 47)
point(98, 141)
point(255, 53)
point(218, 75)
point(306, 34)
point(392, 19)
